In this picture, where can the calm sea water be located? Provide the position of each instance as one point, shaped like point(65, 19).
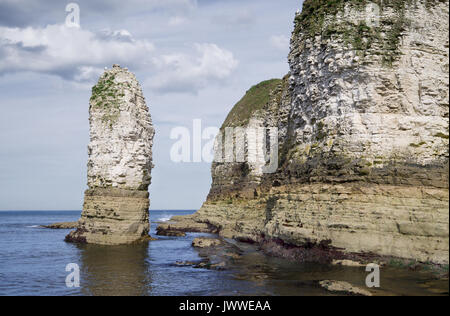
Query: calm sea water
point(33, 262)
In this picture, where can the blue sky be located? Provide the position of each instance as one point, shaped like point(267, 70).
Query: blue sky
point(194, 58)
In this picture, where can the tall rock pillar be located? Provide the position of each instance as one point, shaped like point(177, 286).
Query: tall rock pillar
point(116, 204)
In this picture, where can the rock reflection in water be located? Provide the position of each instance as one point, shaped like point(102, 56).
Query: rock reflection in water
point(115, 270)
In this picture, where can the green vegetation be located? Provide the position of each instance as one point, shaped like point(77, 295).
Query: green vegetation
point(402, 263)
point(103, 86)
point(288, 150)
point(106, 96)
point(319, 17)
point(441, 135)
point(417, 145)
point(255, 99)
point(439, 270)
point(321, 134)
point(314, 12)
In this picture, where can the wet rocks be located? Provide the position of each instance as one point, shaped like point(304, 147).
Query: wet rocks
point(204, 264)
point(185, 224)
point(206, 242)
point(186, 263)
point(343, 288)
point(63, 225)
point(210, 266)
point(170, 233)
point(347, 263)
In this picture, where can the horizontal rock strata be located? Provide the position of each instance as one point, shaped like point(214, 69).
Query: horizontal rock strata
point(116, 205)
point(363, 134)
point(113, 216)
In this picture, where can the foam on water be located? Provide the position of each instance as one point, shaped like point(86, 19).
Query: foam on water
point(165, 218)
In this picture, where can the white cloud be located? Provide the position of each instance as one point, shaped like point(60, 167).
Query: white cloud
point(177, 20)
point(80, 55)
point(72, 53)
point(87, 73)
point(185, 73)
point(280, 42)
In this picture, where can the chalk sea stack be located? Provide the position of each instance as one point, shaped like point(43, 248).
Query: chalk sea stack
point(363, 119)
point(117, 201)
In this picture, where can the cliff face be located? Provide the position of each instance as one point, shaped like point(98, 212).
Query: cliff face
point(116, 204)
point(256, 110)
point(363, 133)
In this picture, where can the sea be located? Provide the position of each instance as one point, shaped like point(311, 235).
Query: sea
point(37, 262)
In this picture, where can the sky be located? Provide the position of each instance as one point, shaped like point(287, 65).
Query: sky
point(194, 59)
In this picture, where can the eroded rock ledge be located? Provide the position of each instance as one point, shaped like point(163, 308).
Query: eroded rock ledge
point(363, 122)
point(116, 205)
point(62, 225)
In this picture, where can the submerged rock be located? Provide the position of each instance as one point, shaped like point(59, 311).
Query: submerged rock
point(206, 242)
point(343, 287)
point(347, 263)
point(170, 233)
point(116, 204)
point(63, 225)
point(186, 263)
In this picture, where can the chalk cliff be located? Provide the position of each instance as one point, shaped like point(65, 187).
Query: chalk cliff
point(116, 204)
point(363, 137)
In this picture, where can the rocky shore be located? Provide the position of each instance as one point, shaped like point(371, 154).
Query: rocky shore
point(64, 225)
point(363, 134)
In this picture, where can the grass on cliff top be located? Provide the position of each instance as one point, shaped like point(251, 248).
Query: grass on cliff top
point(106, 96)
point(311, 22)
point(314, 11)
point(255, 99)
